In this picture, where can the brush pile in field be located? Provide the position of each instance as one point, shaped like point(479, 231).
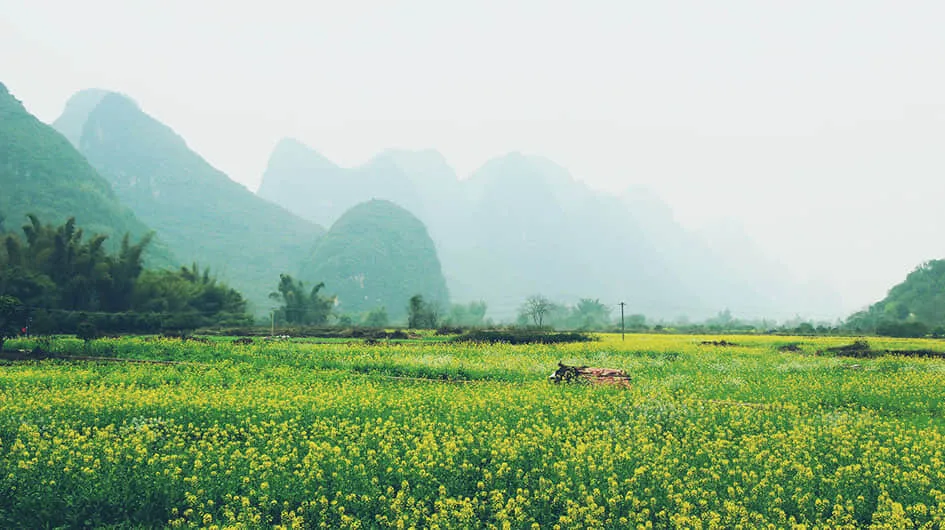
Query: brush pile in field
point(717, 343)
point(586, 374)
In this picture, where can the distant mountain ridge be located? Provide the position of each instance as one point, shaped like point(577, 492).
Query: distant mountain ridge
point(522, 225)
point(42, 174)
point(314, 188)
point(201, 213)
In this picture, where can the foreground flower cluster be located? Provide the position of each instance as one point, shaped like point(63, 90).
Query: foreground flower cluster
point(307, 436)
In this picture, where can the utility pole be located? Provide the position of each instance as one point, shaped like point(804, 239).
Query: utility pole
point(272, 323)
point(621, 321)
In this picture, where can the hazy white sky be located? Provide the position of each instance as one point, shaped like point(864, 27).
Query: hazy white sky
point(819, 126)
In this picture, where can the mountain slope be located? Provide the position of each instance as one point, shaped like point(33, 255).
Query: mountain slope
point(918, 298)
point(201, 213)
point(41, 173)
point(377, 255)
point(296, 178)
point(538, 230)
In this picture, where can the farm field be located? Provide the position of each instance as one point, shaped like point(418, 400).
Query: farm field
point(433, 434)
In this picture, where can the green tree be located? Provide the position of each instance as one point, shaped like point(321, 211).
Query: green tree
point(376, 318)
point(589, 314)
point(86, 331)
point(124, 271)
point(192, 292)
point(421, 314)
point(636, 322)
point(300, 306)
point(56, 267)
point(415, 312)
point(10, 318)
point(469, 315)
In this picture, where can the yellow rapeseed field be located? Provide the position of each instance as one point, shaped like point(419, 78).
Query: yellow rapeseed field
point(438, 435)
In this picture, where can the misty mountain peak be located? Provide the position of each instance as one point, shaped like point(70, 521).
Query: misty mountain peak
point(295, 178)
point(434, 179)
point(76, 113)
point(308, 184)
point(292, 153)
point(85, 100)
point(520, 174)
point(518, 164)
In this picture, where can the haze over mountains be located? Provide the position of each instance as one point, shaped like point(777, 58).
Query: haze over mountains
point(518, 226)
point(522, 225)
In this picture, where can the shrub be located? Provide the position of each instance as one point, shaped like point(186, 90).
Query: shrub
point(521, 337)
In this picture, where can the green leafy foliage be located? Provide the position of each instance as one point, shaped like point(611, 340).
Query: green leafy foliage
point(10, 318)
point(589, 314)
point(187, 290)
point(300, 306)
point(86, 331)
point(422, 314)
point(55, 267)
point(469, 315)
point(57, 272)
point(376, 318)
point(378, 254)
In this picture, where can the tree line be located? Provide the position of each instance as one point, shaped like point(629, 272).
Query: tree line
point(58, 278)
point(54, 278)
point(300, 305)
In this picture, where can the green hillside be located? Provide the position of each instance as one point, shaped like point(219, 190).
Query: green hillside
point(41, 173)
point(201, 213)
point(912, 307)
point(377, 255)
